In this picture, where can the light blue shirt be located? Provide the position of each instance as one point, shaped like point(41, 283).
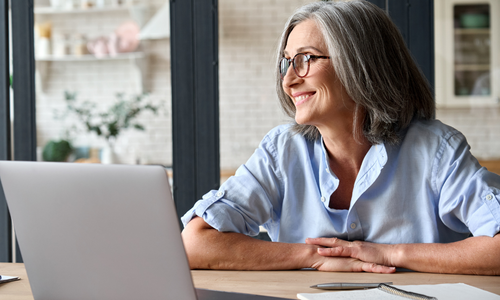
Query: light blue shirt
point(427, 189)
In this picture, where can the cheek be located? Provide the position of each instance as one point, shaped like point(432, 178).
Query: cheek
point(287, 94)
point(334, 85)
point(327, 78)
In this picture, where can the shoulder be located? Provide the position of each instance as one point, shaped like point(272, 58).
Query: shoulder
point(283, 131)
point(433, 132)
point(283, 144)
point(283, 135)
point(433, 127)
point(438, 144)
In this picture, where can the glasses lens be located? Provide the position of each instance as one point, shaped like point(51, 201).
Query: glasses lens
point(284, 65)
point(300, 64)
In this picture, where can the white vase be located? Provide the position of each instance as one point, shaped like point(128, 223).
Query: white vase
point(100, 3)
point(43, 47)
point(108, 155)
point(57, 3)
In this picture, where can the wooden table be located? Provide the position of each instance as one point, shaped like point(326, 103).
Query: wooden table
point(272, 283)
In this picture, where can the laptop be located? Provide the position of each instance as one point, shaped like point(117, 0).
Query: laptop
point(91, 231)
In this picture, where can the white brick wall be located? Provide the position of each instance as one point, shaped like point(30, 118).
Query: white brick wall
point(248, 36)
point(481, 127)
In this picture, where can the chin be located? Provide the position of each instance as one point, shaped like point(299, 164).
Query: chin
point(302, 116)
point(301, 121)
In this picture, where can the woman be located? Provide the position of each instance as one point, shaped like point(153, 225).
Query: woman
point(364, 177)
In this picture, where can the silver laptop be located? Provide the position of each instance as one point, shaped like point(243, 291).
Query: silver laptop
point(89, 231)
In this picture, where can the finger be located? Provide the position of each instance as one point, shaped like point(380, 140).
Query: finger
point(335, 251)
point(374, 268)
point(327, 242)
point(340, 264)
point(343, 264)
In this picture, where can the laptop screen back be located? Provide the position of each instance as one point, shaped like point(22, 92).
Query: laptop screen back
point(89, 231)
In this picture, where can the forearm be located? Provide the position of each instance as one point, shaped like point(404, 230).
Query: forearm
point(475, 255)
point(208, 248)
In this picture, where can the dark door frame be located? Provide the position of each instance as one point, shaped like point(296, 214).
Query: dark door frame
point(23, 140)
point(415, 20)
point(195, 99)
point(5, 136)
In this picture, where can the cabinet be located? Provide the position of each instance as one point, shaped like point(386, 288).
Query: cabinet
point(137, 60)
point(467, 39)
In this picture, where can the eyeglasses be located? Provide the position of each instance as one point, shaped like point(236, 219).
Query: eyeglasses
point(301, 63)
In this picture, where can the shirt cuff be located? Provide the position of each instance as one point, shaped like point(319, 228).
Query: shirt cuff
point(223, 215)
point(487, 216)
point(201, 206)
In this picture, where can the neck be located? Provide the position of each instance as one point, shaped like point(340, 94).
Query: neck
point(344, 150)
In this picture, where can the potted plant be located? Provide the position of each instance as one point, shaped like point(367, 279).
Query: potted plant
point(57, 150)
point(109, 123)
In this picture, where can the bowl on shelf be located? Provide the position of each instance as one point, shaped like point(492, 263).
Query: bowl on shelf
point(474, 20)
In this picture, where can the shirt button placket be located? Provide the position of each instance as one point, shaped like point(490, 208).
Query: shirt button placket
point(354, 229)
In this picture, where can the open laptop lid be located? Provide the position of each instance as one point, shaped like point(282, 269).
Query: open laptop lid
point(89, 231)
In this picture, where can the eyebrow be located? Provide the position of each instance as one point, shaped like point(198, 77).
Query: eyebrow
point(302, 49)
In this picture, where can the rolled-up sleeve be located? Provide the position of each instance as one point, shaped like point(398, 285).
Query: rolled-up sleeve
point(246, 200)
point(469, 197)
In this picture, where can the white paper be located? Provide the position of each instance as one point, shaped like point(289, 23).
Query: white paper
point(451, 291)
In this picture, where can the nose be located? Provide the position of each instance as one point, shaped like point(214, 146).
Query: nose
point(290, 79)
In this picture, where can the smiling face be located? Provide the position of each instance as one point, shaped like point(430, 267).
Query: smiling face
point(320, 99)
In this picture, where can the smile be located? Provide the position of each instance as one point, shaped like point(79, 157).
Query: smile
point(302, 98)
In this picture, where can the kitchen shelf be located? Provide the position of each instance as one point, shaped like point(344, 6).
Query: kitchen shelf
point(90, 57)
point(47, 10)
point(472, 31)
point(137, 61)
point(466, 61)
point(472, 67)
point(138, 12)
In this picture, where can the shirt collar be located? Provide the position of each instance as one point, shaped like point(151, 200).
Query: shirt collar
point(378, 151)
point(373, 163)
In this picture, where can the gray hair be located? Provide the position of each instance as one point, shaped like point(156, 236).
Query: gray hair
point(373, 64)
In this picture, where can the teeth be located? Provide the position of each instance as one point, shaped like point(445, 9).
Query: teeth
point(300, 98)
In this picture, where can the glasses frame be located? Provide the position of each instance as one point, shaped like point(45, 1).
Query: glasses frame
point(291, 61)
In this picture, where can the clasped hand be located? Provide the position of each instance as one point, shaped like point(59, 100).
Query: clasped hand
point(357, 256)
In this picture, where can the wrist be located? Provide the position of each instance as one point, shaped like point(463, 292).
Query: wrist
point(311, 258)
point(397, 255)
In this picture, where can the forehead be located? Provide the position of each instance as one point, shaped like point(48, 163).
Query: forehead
point(305, 35)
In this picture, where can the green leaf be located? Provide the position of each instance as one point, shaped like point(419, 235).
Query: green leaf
point(139, 127)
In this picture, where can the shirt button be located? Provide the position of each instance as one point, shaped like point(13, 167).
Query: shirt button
point(489, 197)
point(327, 170)
point(323, 199)
point(219, 194)
point(353, 225)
